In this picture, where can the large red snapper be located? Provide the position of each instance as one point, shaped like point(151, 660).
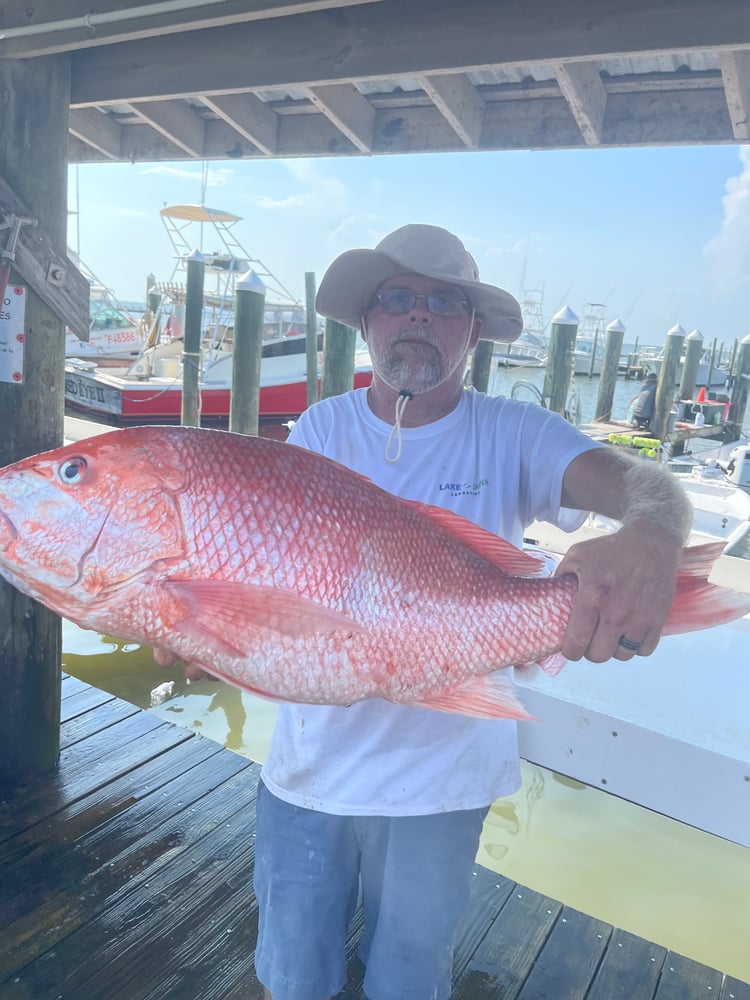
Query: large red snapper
point(288, 575)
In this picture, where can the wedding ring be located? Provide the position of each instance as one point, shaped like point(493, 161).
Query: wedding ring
point(632, 647)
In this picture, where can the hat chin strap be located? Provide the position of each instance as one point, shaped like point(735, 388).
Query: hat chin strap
point(404, 395)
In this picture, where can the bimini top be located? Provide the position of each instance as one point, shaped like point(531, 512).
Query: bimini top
point(198, 213)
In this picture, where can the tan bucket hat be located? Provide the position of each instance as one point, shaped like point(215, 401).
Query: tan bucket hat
point(352, 279)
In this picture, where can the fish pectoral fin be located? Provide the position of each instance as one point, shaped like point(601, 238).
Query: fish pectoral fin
point(225, 612)
point(489, 697)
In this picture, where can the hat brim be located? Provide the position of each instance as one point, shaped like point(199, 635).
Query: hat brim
point(352, 279)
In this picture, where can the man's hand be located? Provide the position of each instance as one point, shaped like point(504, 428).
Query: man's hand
point(626, 583)
point(163, 658)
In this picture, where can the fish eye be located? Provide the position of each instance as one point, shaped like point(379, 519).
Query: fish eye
point(72, 471)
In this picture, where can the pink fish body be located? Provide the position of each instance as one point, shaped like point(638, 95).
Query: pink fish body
point(288, 575)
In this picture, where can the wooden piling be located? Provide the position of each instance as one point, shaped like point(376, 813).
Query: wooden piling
point(667, 381)
point(311, 339)
point(339, 347)
point(740, 384)
point(193, 337)
point(247, 351)
point(481, 364)
point(711, 364)
point(693, 353)
point(34, 97)
point(559, 370)
point(610, 365)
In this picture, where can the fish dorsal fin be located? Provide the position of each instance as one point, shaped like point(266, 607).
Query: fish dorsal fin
point(494, 549)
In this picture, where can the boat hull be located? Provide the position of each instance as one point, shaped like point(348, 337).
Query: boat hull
point(122, 401)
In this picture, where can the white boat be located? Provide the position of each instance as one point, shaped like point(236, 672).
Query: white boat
point(150, 391)
point(529, 351)
point(651, 359)
point(116, 336)
point(649, 730)
point(150, 388)
point(588, 351)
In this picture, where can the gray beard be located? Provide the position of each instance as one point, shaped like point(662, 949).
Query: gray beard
point(422, 376)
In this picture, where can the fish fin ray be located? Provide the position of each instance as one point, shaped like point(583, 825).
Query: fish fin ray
point(551, 665)
point(698, 604)
point(488, 697)
point(218, 610)
point(501, 553)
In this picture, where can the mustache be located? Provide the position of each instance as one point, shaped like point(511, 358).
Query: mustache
point(408, 333)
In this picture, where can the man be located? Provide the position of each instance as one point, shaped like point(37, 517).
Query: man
point(388, 798)
point(643, 409)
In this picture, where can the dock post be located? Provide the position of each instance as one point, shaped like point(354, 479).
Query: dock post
point(247, 351)
point(693, 353)
point(665, 389)
point(740, 384)
point(559, 370)
point(338, 359)
point(34, 97)
point(191, 347)
point(711, 365)
point(311, 339)
point(481, 364)
point(610, 365)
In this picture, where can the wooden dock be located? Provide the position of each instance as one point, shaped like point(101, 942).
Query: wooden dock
point(127, 875)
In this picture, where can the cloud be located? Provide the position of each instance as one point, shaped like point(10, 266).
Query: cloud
point(728, 253)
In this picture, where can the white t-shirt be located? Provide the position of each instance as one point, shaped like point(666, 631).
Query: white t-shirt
point(499, 463)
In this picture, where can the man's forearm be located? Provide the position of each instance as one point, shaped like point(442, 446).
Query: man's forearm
point(650, 493)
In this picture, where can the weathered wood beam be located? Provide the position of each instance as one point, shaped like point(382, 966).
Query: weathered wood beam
point(314, 49)
point(34, 100)
point(735, 70)
point(348, 110)
point(459, 102)
point(249, 116)
point(44, 266)
point(97, 129)
point(176, 122)
point(28, 30)
point(584, 91)
point(642, 119)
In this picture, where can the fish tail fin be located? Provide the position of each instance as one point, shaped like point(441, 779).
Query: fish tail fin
point(697, 603)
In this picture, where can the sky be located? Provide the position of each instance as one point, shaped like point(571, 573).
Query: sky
point(660, 236)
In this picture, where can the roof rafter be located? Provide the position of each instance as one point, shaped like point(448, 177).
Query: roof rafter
point(460, 103)
point(584, 91)
point(735, 69)
point(176, 122)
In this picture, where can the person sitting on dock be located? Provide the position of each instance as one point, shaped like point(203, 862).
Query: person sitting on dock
point(644, 404)
point(388, 800)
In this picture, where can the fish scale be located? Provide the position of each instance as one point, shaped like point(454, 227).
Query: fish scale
point(289, 575)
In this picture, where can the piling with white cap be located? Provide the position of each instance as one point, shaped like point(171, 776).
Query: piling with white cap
point(247, 351)
point(562, 340)
point(610, 365)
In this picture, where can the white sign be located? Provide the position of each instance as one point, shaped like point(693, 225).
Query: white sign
point(12, 309)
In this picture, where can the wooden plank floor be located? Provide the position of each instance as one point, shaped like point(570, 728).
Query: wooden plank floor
point(127, 875)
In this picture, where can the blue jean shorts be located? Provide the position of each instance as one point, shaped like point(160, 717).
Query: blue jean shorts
point(412, 874)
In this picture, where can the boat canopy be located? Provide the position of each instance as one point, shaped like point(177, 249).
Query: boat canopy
point(198, 213)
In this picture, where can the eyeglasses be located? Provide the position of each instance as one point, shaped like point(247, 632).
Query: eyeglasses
point(397, 301)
